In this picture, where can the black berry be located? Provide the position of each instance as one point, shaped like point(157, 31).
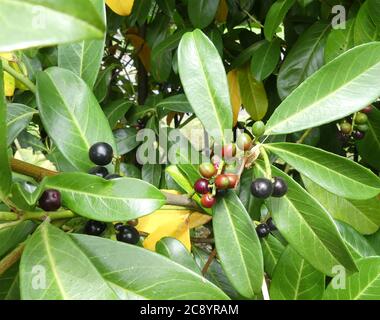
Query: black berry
point(101, 154)
point(50, 200)
point(112, 176)
point(118, 226)
point(271, 225)
point(99, 171)
point(262, 188)
point(262, 230)
point(280, 188)
point(358, 135)
point(94, 228)
point(128, 234)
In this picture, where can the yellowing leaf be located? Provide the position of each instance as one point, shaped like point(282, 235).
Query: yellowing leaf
point(221, 14)
point(20, 68)
point(121, 7)
point(233, 85)
point(141, 48)
point(9, 81)
point(198, 219)
point(37, 158)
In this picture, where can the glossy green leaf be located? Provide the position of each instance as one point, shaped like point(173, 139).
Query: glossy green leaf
point(126, 139)
point(272, 250)
point(9, 284)
point(369, 147)
point(71, 115)
point(333, 92)
point(374, 9)
point(202, 12)
point(18, 118)
point(363, 215)
point(167, 6)
point(339, 41)
point(308, 227)
point(84, 58)
point(275, 16)
point(374, 241)
point(176, 251)
point(11, 236)
point(151, 173)
point(296, 279)
point(177, 103)
point(251, 203)
point(5, 172)
point(356, 243)
point(366, 30)
point(106, 200)
point(253, 95)
point(237, 245)
point(304, 58)
point(336, 174)
point(128, 269)
point(116, 111)
point(102, 83)
point(47, 22)
point(140, 11)
point(265, 59)
point(205, 83)
point(363, 285)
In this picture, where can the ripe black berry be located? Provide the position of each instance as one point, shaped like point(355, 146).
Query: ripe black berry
point(128, 234)
point(271, 225)
point(280, 188)
point(94, 228)
point(262, 230)
point(118, 225)
point(112, 176)
point(99, 171)
point(50, 200)
point(101, 154)
point(261, 188)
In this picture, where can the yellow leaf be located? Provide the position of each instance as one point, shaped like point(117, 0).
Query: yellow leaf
point(20, 68)
point(198, 219)
point(221, 14)
point(9, 85)
point(142, 49)
point(121, 7)
point(233, 85)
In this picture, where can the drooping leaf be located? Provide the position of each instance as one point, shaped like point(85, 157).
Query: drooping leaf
point(205, 83)
point(363, 215)
point(202, 12)
point(265, 59)
point(333, 92)
point(308, 227)
point(47, 22)
point(237, 245)
point(275, 16)
point(71, 115)
point(296, 279)
point(363, 285)
point(106, 200)
point(336, 174)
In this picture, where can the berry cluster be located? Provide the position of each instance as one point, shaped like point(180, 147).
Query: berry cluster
point(101, 154)
point(354, 127)
point(263, 229)
point(263, 188)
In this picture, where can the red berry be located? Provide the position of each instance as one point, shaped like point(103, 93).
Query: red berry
point(208, 200)
point(244, 142)
point(233, 178)
point(207, 170)
point(201, 186)
point(229, 150)
point(222, 182)
point(367, 109)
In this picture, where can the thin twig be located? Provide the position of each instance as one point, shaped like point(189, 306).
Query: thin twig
point(209, 261)
point(11, 258)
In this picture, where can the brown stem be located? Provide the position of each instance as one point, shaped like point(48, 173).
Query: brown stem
point(202, 240)
point(142, 74)
point(209, 261)
point(11, 258)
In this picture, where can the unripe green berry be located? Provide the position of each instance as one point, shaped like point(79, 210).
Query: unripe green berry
point(258, 128)
point(362, 127)
point(244, 142)
point(345, 127)
point(361, 118)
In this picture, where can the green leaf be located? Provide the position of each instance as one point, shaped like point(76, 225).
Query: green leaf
point(339, 41)
point(106, 200)
point(167, 6)
point(11, 236)
point(68, 273)
point(356, 243)
point(126, 139)
point(336, 174)
point(237, 245)
point(151, 173)
point(202, 12)
point(374, 241)
point(363, 285)
point(102, 83)
point(37, 23)
point(272, 250)
point(363, 215)
point(373, 6)
point(18, 118)
point(333, 92)
point(9, 284)
point(176, 251)
point(305, 57)
point(275, 16)
point(296, 279)
point(366, 30)
point(177, 103)
point(369, 147)
point(5, 172)
point(205, 83)
point(307, 226)
point(140, 11)
point(71, 115)
point(116, 111)
point(251, 203)
point(128, 269)
point(253, 95)
point(265, 59)
point(84, 58)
